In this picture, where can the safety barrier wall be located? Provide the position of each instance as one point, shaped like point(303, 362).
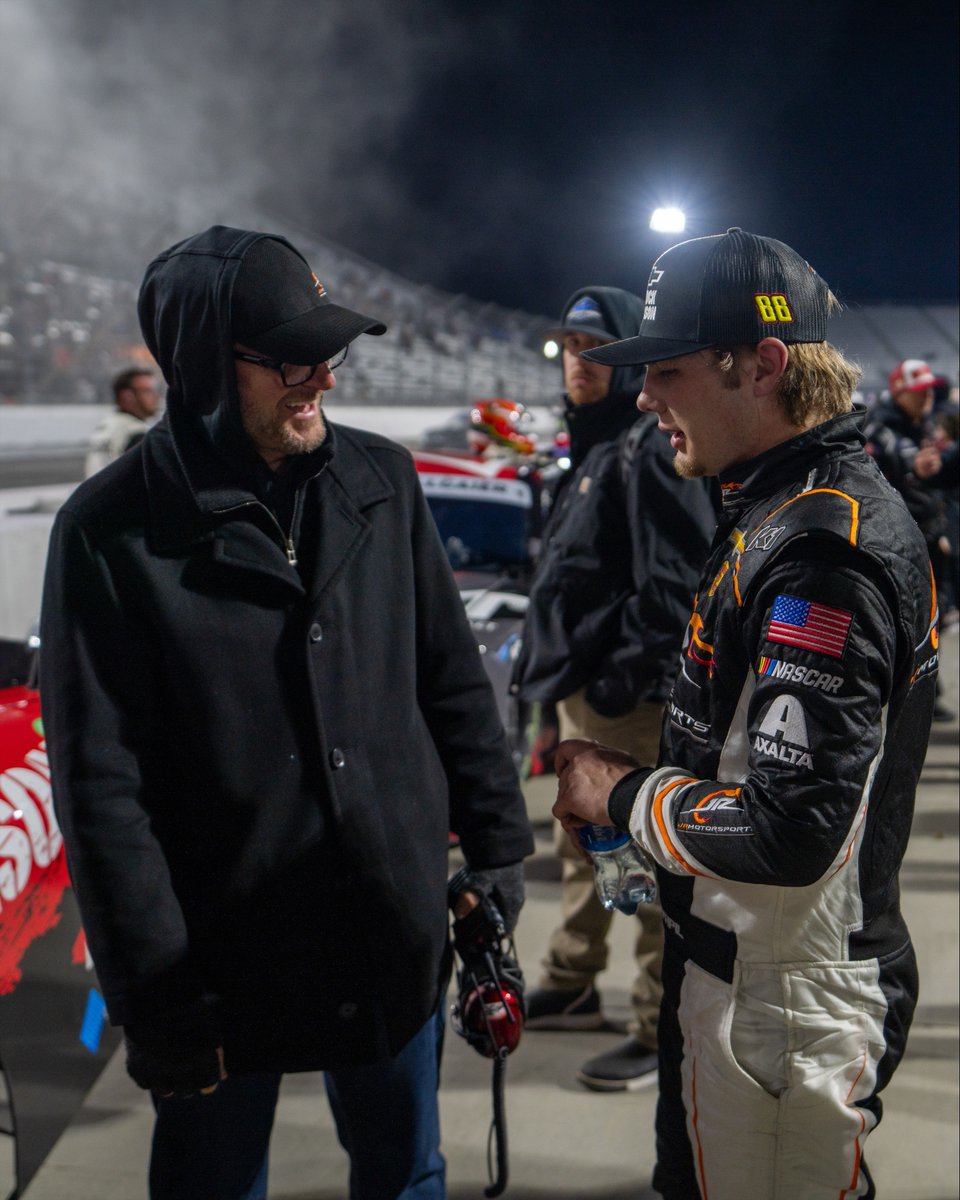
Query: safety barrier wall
point(39, 431)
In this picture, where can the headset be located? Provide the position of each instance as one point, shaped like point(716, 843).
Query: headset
point(490, 1008)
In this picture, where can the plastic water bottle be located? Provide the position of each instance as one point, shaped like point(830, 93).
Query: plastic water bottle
point(624, 875)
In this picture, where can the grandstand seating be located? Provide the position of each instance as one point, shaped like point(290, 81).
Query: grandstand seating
point(65, 329)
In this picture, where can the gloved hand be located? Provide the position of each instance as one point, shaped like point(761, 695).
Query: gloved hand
point(504, 886)
point(176, 1053)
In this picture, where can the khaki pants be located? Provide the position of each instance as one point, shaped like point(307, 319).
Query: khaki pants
point(577, 950)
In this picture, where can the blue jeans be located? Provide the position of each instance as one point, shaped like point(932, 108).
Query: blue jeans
point(215, 1147)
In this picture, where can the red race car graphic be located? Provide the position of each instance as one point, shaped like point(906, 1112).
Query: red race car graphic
point(54, 1040)
point(33, 872)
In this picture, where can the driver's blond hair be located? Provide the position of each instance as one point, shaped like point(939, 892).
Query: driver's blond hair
point(818, 382)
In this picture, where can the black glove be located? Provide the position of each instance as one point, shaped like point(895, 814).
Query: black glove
point(176, 1052)
point(504, 886)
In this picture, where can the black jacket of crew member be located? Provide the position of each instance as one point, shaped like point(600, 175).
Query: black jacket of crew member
point(621, 553)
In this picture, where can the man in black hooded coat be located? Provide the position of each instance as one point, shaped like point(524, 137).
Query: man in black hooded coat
point(622, 550)
point(265, 711)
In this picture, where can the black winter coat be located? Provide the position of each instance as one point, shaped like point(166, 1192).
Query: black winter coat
point(255, 763)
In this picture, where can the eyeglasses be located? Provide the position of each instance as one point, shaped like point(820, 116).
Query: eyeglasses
point(292, 374)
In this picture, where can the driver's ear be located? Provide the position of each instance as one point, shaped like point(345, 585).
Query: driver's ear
point(770, 363)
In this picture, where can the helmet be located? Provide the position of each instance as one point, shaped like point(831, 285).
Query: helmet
point(500, 423)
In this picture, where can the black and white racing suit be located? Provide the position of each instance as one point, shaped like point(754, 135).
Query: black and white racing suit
point(779, 816)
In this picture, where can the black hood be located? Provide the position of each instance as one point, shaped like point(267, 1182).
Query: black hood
point(622, 313)
point(186, 308)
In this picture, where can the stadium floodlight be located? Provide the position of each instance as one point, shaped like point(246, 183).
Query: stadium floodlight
point(668, 220)
point(550, 349)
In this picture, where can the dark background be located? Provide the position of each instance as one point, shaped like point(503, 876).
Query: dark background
point(508, 151)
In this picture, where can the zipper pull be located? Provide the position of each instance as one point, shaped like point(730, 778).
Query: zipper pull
point(291, 552)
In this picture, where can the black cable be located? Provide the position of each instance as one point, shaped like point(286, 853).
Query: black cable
point(498, 1128)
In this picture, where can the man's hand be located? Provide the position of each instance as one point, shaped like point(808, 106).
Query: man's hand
point(177, 1052)
point(588, 772)
point(172, 1074)
point(926, 462)
point(504, 886)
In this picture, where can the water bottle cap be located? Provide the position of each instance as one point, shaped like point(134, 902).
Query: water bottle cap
point(601, 837)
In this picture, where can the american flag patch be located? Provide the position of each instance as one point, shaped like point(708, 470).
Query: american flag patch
point(809, 625)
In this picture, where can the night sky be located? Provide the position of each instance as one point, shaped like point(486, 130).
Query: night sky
point(508, 151)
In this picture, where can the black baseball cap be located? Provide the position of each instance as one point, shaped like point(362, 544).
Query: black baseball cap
point(281, 309)
point(585, 312)
point(733, 288)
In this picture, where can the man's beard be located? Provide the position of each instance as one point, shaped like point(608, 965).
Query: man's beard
point(687, 467)
point(291, 442)
point(276, 435)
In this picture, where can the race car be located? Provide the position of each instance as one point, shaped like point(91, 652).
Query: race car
point(488, 513)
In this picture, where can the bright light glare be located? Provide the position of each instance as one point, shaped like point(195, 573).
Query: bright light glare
point(668, 220)
point(550, 349)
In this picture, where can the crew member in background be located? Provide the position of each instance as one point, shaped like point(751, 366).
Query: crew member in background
point(264, 713)
point(781, 807)
point(937, 465)
point(896, 431)
point(612, 592)
point(135, 404)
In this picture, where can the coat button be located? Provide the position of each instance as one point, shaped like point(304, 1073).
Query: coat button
point(337, 758)
point(347, 1011)
point(316, 633)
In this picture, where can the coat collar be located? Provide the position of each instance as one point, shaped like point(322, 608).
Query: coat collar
point(591, 424)
point(194, 497)
point(749, 481)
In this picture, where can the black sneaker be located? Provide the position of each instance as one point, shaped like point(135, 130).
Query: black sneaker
point(626, 1068)
point(549, 1008)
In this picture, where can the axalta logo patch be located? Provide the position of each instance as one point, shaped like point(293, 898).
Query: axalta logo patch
point(791, 756)
point(783, 733)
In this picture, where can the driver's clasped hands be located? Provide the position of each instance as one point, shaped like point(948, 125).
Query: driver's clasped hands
point(587, 772)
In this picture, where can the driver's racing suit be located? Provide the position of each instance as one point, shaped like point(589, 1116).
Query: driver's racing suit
point(779, 816)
